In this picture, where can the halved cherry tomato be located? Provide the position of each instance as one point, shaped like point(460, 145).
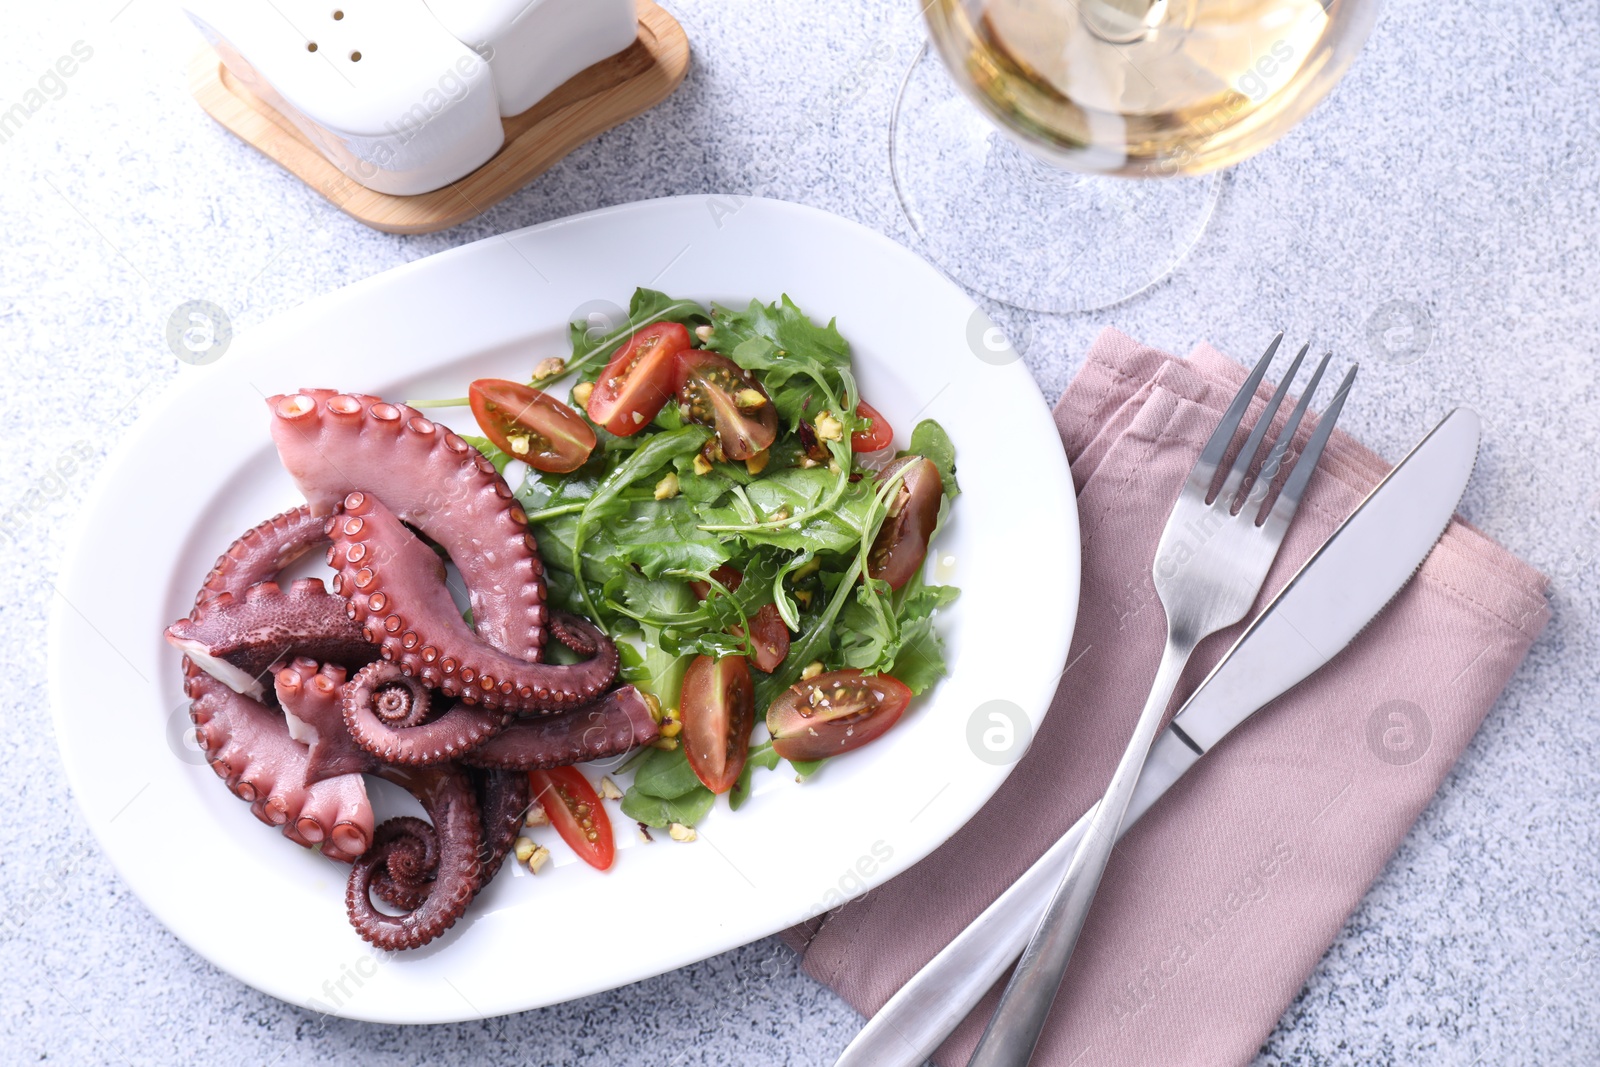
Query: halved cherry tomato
point(902, 542)
point(718, 709)
point(715, 391)
point(637, 382)
point(879, 435)
point(530, 425)
point(834, 712)
point(769, 635)
point(769, 638)
point(574, 810)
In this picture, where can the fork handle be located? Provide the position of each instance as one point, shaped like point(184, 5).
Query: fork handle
point(928, 1008)
point(1014, 1030)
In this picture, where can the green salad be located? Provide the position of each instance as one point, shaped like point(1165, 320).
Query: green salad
point(716, 495)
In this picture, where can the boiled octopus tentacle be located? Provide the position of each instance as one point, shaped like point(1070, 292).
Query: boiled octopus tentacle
point(503, 801)
point(410, 615)
point(261, 553)
point(413, 853)
point(384, 713)
point(249, 747)
point(335, 444)
point(618, 722)
point(312, 697)
point(447, 796)
point(247, 743)
point(235, 638)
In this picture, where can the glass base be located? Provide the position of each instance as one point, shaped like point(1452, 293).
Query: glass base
point(1004, 222)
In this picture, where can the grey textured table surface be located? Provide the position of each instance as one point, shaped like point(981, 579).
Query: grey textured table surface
point(1454, 171)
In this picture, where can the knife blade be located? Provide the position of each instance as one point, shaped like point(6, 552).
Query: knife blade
point(1362, 565)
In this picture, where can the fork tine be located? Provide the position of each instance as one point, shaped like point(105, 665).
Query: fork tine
point(1205, 468)
point(1252, 444)
point(1288, 501)
point(1269, 469)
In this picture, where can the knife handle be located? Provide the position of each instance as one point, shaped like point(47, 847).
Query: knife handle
point(929, 1007)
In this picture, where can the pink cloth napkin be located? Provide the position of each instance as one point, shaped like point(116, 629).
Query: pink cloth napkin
point(1219, 903)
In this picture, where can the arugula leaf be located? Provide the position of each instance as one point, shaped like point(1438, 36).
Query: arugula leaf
point(658, 602)
point(491, 451)
point(666, 774)
point(687, 809)
point(805, 367)
point(629, 659)
point(920, 663)
point(659, 669)
point(785, 326)
point(805, 768)
point(931, 442)
point(665, 790)
point(787, 609)
point(706, 489)
point(919, 600)
point(645, 461)
point(663, 535)
point(704, 643)
point(868, 638)
point(804, 495)
point(761, 755)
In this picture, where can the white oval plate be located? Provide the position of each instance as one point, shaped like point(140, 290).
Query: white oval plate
point(200, 469)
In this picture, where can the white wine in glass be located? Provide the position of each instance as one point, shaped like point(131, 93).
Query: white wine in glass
point(1125, 88)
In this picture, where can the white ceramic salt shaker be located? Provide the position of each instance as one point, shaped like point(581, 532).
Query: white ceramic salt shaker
point(406, 96)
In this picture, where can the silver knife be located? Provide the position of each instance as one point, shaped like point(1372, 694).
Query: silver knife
point(1334, 595)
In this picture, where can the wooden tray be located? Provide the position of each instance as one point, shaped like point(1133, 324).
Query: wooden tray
point(605, 95)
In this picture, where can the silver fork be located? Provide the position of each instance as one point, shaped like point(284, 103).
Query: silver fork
point(1209, 565)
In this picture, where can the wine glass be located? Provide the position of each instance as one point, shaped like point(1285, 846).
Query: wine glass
point(1041, 196)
